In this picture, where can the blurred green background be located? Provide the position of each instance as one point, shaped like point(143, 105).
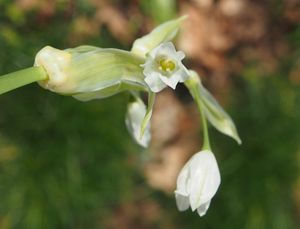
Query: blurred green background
point(68, 164)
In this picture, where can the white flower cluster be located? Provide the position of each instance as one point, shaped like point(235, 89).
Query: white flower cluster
point(199, 179)
point(88, 72)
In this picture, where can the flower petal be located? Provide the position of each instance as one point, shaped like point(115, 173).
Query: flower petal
point(182, 73)
point(170, 81)
point(180, 55)
point(165, 49)
point(182, 180)
point(154, 82)
point(205, 178)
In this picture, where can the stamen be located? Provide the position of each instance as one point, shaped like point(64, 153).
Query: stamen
point(167, 65)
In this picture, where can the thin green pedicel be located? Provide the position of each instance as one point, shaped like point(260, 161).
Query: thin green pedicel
point(21, 78)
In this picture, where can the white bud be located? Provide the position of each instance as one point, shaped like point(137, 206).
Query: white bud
point(162, 33)
point(136, 112)
point(198, 182)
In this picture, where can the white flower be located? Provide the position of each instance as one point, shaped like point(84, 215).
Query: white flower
point(163, 67)
point(135, 114)
point(198, 182)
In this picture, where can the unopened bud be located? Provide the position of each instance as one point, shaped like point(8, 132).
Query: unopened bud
point(88, 71)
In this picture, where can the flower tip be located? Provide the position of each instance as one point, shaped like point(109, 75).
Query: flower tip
point(236, 137)
point(239, 141)
point(183, 17)
point(203, 209)
point(182, 202)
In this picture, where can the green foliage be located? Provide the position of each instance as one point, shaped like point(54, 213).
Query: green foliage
point(258, 177)
point(71, 159)
point(63, 163)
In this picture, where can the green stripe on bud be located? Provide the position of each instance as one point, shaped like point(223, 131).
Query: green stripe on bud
point(88, 72)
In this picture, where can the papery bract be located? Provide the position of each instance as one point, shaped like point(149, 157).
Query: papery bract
point(215, 114)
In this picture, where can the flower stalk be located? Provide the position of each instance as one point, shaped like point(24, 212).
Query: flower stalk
point(21, 78)
point(206, 143)
point(151, 100)
point(212, 110)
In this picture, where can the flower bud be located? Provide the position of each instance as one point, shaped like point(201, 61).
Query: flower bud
point(198, 182)
point(136, 112)
point(162, 33)
point(88, 72)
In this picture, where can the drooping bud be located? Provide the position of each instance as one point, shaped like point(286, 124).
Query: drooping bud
point(136, 111)
point(198, 182)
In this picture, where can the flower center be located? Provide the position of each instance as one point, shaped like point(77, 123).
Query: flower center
point(167, 65)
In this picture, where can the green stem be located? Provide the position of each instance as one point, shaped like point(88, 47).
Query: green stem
point(193, 84)
point(206, 144)
point(21, 78)
point(151, 99)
